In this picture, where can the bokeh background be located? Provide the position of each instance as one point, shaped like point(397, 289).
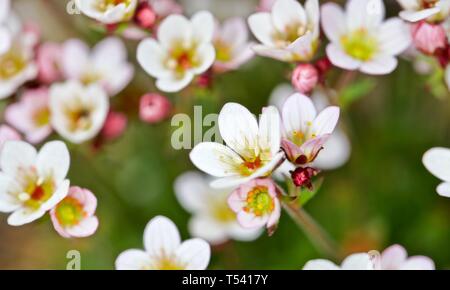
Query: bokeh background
point(382, 196)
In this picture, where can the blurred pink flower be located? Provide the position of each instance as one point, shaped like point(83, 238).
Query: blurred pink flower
point(428, 37)
point(49, 56)
point(256, 204)
point(8, 134)
point(106, 65)
point(396, 258)
point(74, 216)
point(232, 45)
point(265, 5)
point(145, 16)
point(115, 125)
point(304, 78)
point(31, 115)
point(154, 108)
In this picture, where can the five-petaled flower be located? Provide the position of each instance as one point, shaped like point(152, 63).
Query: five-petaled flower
point(361, 39)
point(184, 49)
point(31, 182)
point(251, 150)
point(165, 251)
point(73, 217)
point(290, 32)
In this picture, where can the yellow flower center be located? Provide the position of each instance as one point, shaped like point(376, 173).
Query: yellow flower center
point(11, 64)
point(259, 202)
point(36, 191)
point(79, 118)
point(182, 57)
point(69, 212)
point(104, 5)
point(359, 44)
point(42, 117)
point(90, 77)
point(223, 51)
point(222, 212)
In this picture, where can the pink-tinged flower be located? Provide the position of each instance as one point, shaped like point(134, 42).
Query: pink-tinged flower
point(252, 150)
point(304, 78)
point(48, 58)
point(256, 204)
point(428, 37)
point(266, 5)
point(212, 219)
point(360, 39)
point(305, 132)
point(74, 216)
point(290, 32)
point(115, 125)
point(233, 48)
point(164, 8)
point(105, 65)
point(154, 108)
point(183, 50)
point(437, 161)
point(417, 10)
point(396, 258)
point(31, 115)
point(78, 112)
point(31, 182)
point(8, 134)
point(359, 261)
point(107, 11)
point(165, 251)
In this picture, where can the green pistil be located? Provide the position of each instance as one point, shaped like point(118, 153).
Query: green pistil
point(360, 44)
point(69, 212)
point(259, 201)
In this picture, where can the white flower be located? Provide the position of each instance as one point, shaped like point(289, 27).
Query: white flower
point(437, 161)
point(108, 11)
point(212, 219)
point(16, 66)
point(232, 46)
point(183, 49)
point(360, 261)
point(396, 258)
point(32, 183)
point(165, 251)
point(361, 40)
point(78, 112)
point(417, 10)
point(290, 32)
point(107, 64)
point(251, 150)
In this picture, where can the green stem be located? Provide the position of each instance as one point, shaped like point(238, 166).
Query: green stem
point(319, 238)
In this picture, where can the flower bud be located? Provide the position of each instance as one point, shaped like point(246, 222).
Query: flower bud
point(302, 177)
point(115, 125)
point(428, 37)
point(154, 108)
point(304, 78)
point(145, 17)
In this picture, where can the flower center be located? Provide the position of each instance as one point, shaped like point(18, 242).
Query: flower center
point(11, 64)
point(359, 44)
point(223, 51)
point(79, 118)
point(259, 201)
point(36, 190)
point(223, 213)
point(166, 263)
point(105, 5)
point(182, 57)
point(248, 167)
point(69, 212)
point(90, 77)
point(290, 34)
point(42, 117)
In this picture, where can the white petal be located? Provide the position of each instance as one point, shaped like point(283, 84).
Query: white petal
point(205, 227)
point(161, 237)
point(360, 261)
point(132, 260)
point(173, 84)
point(60, 193)
point(437, 161)
point(414, 16)
point(53, 160)
point(298, 111)
point(336, 152)
point(340, 59)
point(261, 26)
point(75, 58)
point(16, 155)
point(191, 190)
point(205, 56)
point(5, 6)
point(444, 189)
point(303, 48)
point(326, 121)
point(333, 21)
point(280, 94)
point(238, 233)
point(364, 13)
point(202, 26)
point(320, 265)
point(381, 65)
point(269, 130)
point(24, 216)
point(5, 40)
point(7, 202)
point(238, 128)
point(194, 254)
point(286, 13)
point(109, 52)
point(215, 159)
point(85, 228)
point(151, 57)
point(234, 32)
point(276, 53)
point(394, 36)
point(418, 263)
point(393, 257)
point(174, 28)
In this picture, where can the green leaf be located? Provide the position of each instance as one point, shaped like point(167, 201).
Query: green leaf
point(355, 91)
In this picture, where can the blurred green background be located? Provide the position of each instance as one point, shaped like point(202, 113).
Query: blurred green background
point(382, 196)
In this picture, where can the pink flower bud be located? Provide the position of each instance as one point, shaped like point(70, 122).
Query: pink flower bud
point(428, 37)
point(304, 78)
point(302, 177)
point(115, 125)
point(145, 17)
point(49, 57)
point(154, 108)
